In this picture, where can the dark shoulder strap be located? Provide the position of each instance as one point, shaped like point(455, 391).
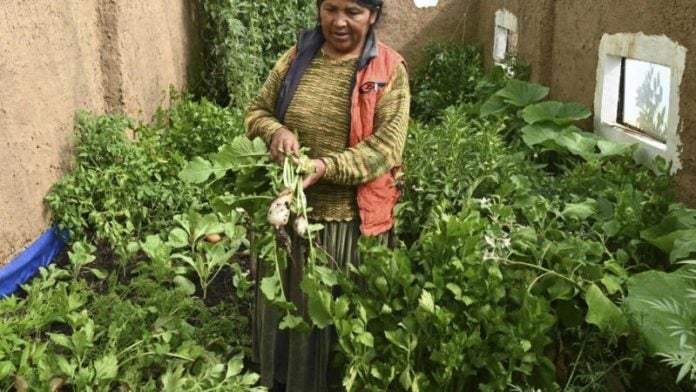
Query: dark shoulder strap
point(308, 43)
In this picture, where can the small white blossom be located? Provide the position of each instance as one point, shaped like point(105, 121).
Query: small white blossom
point(506, 243)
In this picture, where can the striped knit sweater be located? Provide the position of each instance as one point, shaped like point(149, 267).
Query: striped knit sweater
point(319, 113)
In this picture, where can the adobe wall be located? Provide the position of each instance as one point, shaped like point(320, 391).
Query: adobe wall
point(408, 28)
point(560, 39)
point(61, 56)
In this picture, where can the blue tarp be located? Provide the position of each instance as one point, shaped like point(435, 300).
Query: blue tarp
point(24, 266)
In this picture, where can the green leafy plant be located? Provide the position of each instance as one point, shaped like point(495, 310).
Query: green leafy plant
point(239, 46)
point(452, 75)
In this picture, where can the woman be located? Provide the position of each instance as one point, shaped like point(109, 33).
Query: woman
point(345, 96)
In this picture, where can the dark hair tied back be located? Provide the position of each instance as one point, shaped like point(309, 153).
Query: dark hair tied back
point(373, 5)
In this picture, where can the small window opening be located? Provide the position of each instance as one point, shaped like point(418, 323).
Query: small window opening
point(644, 91)
point(505, 39)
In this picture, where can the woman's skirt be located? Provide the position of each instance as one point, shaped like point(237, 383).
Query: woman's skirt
point(300, 360)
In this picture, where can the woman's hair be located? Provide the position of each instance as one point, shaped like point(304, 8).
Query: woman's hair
point(373, 5)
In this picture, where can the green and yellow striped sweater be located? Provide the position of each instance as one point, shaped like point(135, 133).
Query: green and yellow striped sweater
point(320, 115)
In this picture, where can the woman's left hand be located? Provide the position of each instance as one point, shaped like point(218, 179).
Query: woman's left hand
point(319, 171)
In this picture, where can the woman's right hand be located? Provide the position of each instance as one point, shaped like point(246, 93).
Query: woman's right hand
point(284, 142)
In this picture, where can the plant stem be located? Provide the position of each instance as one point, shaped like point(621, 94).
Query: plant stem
point(540, 268)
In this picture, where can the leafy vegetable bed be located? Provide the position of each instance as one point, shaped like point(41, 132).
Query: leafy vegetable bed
point(533, 256)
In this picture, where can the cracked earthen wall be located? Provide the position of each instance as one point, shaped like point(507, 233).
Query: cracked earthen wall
point(560, 39)
point(58, 57)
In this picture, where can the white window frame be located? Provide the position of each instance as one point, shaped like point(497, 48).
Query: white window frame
point(504, 21)
point(425, 3)
point(649, 48)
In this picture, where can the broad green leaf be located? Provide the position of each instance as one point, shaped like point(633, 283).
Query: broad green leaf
point(493, 105)
point(326, 275)
point(235, 366)
point(270, 287)
point(251, 379)
point(520, 93)
point(68, 368)
point(609, 149)
point(580, 211)
point(155, 248)
point(667, 243)
point(185, 284)
point(578, 143)
point(217, 255)
point(539, 133)
point(81, 253)
point(366, 339)
point(657, 303)
point(6, 368)
point(197, 171)
point(556, 112)
point(341, 307)
point(602, 312)
point(106, 367)
point(679, 218)
point(240, 152)
point(402, 338)
point(99, 274)
point(405, 379)
point(319, 308)
point(611, 283)
point(186, 259)
point(61, 340)
point(561, 289)
point(178, 238)
point(683, 247)
point(202, 225)
point(173, 381)
point(292, 322)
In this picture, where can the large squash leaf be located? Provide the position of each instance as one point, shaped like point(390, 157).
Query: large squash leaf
point(557, 112)
point(663, 307)
point(602, 312)
point(520, 93)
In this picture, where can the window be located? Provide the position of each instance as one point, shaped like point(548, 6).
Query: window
point(637, 95)
point(505, 39)
point(644, 97)
point(425, 3)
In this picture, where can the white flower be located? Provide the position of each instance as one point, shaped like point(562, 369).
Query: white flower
point(506, 243)
point(485, 202)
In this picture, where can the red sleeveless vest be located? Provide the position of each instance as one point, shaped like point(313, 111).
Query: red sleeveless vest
point(376, 198)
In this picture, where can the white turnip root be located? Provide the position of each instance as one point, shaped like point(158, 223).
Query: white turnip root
point(279, 212)
point(299, 225)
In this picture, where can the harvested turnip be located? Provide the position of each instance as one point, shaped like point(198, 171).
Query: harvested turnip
point(279, 212)
point(300, 225)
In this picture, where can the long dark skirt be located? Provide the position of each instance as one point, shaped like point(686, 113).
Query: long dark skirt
point(301, 360)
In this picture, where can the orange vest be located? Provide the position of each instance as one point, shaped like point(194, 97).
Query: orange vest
point(376, 198)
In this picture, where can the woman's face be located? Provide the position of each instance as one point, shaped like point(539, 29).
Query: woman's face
point(345, 24)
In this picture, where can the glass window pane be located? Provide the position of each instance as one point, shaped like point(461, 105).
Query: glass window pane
point(646, 97)
point(500, 44)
